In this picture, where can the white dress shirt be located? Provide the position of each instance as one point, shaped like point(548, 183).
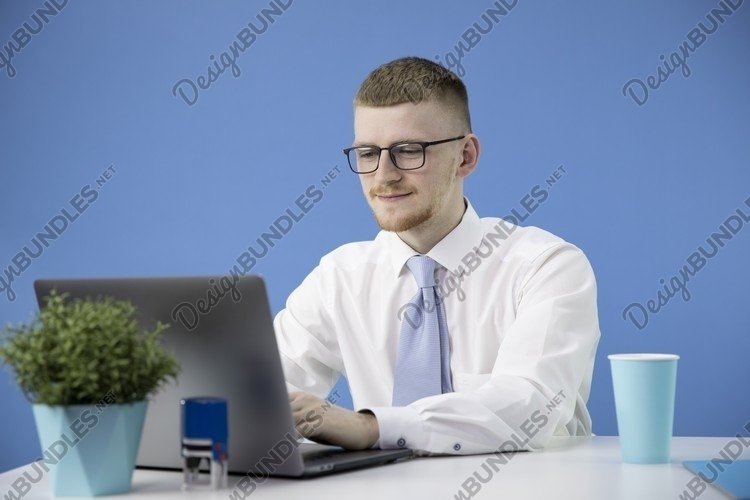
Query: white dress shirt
point(523, 327)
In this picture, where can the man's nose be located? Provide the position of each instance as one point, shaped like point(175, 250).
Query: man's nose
point(386, 171)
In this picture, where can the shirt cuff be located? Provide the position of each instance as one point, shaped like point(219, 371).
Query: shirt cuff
point(399, 426)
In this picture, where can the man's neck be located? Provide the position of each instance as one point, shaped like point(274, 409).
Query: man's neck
point(425, 236)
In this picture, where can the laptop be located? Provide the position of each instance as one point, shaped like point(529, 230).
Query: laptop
point(224, 339)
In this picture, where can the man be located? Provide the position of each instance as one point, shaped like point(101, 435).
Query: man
point(456, 334)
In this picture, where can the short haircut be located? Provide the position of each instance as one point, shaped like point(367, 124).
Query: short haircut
point(414, 79)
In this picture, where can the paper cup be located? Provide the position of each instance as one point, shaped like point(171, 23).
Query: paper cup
point(644, 387)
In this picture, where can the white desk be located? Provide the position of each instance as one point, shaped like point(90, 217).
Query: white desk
point(570, 468)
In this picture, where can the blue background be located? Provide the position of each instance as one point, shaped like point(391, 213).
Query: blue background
point(195, 185)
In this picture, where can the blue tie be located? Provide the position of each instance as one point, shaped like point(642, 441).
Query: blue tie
point(423, 358)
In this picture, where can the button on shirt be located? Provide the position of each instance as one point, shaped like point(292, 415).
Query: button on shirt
point(522, 323)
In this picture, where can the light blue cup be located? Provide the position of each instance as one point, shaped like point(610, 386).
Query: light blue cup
point(644, 386)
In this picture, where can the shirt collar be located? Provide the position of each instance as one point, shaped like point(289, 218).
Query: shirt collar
point(448, 252)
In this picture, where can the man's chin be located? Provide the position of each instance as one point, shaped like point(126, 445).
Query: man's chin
point(403, 223)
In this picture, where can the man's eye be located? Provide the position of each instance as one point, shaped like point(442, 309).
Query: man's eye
point(409, 150)
point(366, 155)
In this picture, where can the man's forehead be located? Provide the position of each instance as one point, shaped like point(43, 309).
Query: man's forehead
point(406, 121)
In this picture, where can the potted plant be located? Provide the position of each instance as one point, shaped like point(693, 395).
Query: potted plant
point(87, 368)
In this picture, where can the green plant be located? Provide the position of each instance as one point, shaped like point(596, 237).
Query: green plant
point(75, 351)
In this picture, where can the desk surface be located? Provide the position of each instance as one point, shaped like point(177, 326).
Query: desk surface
point(570, 468)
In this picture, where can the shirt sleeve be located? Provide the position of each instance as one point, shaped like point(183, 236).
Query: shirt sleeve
point(308, 347)
point(541, 363)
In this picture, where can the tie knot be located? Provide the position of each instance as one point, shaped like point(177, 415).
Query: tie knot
point(423, 269)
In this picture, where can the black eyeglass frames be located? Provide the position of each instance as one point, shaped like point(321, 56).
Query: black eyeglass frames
point(404, 155)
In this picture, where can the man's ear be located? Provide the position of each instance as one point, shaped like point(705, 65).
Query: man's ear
point(469, 156)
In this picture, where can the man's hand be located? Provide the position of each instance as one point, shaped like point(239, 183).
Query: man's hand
point(321, 421)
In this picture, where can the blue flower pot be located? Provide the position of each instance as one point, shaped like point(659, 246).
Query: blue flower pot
point(89, 450)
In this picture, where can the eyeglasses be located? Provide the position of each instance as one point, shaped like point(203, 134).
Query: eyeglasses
point(404, 155)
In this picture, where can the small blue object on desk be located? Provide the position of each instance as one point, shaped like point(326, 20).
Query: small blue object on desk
point(204, 437)
point(733, 478)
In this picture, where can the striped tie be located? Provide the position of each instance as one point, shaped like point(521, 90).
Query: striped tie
point(423, 358)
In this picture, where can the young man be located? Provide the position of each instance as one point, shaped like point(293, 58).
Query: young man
point(456, 334)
